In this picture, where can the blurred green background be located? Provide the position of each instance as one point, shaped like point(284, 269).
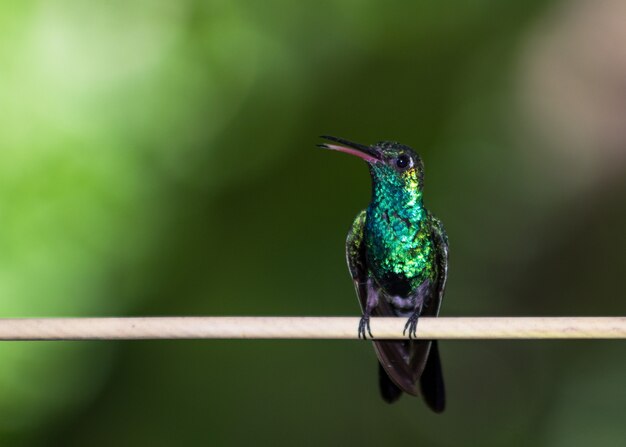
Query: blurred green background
point(157, 158)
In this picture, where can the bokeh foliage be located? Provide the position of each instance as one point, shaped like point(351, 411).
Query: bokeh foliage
point(157, 158)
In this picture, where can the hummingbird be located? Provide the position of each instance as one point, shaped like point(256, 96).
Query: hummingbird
point(397, 254)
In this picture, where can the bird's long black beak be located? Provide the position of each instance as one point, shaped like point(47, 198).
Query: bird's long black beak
point(367, 153)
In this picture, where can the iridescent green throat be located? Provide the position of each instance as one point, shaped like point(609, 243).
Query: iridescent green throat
point(397, 231)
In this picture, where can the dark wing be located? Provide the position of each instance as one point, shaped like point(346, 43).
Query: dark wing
point(396, 357)
point(355, 256)
point(440, 240)
point(431, 381)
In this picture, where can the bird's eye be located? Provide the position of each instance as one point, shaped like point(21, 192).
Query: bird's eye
point(402, 161)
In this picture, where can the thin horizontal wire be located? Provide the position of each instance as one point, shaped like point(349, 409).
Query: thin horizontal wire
point(309, 328)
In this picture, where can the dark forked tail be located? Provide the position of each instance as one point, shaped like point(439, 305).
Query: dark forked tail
point(431, 383)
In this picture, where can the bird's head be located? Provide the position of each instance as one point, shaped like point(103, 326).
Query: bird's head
point(392, 164)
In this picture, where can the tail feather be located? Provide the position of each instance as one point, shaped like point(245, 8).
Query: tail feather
point(388, 390)
point(431, 382)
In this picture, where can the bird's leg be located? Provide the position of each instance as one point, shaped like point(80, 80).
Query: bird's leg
point(371, 303)
point(364, 325)
point(418, 304)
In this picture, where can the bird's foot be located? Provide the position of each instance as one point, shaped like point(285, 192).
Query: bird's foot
point(411, 325)
point(364, 325)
